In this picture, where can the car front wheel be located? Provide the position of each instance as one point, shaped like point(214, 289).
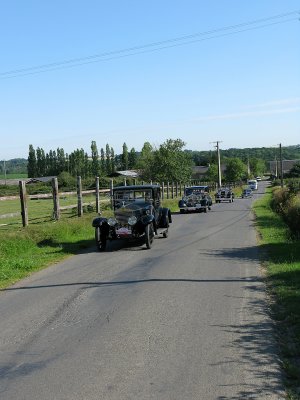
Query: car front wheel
point(149, 235)
point(100, 240)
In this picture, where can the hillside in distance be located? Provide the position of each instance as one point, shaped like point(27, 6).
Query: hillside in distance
point(264, 153)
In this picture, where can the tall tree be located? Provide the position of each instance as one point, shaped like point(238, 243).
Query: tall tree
point(107, 160)
point(171, 163)
point(102, 161)
point(212, 173)
point(132, 159)
point(235, 170)
point(145, 161)
point(32, 164)
point(61, 161)
point(125, 157)
point(112, 160)
point(40, 162)
point(95, 161)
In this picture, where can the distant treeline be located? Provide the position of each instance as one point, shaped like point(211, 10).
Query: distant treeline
point(262, 153)
point(106, 162)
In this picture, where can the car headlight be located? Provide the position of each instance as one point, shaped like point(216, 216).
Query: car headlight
point(132, 220)
point(111, 221)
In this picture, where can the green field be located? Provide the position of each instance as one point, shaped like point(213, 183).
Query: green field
point(13, 176)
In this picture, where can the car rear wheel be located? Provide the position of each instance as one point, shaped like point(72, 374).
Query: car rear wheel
point(166, 232)
point(149, 235)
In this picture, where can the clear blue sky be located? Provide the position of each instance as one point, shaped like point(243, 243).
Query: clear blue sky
point(239, 85)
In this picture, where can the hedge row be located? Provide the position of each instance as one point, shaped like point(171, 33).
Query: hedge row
point(286, 202)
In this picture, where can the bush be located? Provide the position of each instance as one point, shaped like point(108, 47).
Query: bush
point(66, 181)
point(287, 203)
point(292, 217)
point(281, 200)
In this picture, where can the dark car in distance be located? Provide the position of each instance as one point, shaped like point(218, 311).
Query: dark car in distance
point(224, 194)
point(137, 214)
point(196, 198)
point(246, 193)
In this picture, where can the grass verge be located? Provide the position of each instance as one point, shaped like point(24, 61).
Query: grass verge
point(282, 264)
point(26, 250)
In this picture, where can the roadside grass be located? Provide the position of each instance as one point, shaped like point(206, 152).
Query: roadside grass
point(25, 250)
point(282, 264)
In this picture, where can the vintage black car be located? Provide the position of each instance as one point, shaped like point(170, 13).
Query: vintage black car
point(246, 193)
point(137, 214)
point(196, 198)
point(224, 194)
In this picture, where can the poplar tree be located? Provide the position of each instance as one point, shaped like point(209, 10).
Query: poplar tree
point(95, 161)
point(132, 158)
point(32, 164)
point(125, 157)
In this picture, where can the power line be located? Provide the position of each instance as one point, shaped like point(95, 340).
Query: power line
point(151, 47)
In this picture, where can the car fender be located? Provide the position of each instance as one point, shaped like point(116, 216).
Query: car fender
point(147, 219)
point(181, 204)
point(99, 221)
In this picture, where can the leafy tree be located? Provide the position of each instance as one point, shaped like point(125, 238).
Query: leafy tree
point(102, 161)
point(95, 161)
point(107, 160)
point(257, 166)
point(61, 161)
point(125, 157)
point(294, 171)
point(212, 173)
point(87, 167)
point(40, 162)
point(52, 166)
point(132, 158)
point(112, 160)
point(66, 181)
point(77, 163)
point(145, 161)
point(235, 170)
point(171, 163)
point(32, 164)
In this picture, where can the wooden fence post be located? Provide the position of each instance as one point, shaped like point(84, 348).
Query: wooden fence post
point(79, 197)
point(98, 210)
point(172, 194)
point(56, 209)
point(162, 190)
point(23, 198)
point(168, 189)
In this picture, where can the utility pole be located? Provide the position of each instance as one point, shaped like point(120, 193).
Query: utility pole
point(219, 163)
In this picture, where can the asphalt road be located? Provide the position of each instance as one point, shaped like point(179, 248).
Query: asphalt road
point(187, 319)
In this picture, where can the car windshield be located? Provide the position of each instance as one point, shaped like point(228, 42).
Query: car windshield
point(122, 197)
point(195, 191)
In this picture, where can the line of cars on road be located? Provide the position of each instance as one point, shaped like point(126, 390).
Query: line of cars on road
point(197, 198)
point(138, 213)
